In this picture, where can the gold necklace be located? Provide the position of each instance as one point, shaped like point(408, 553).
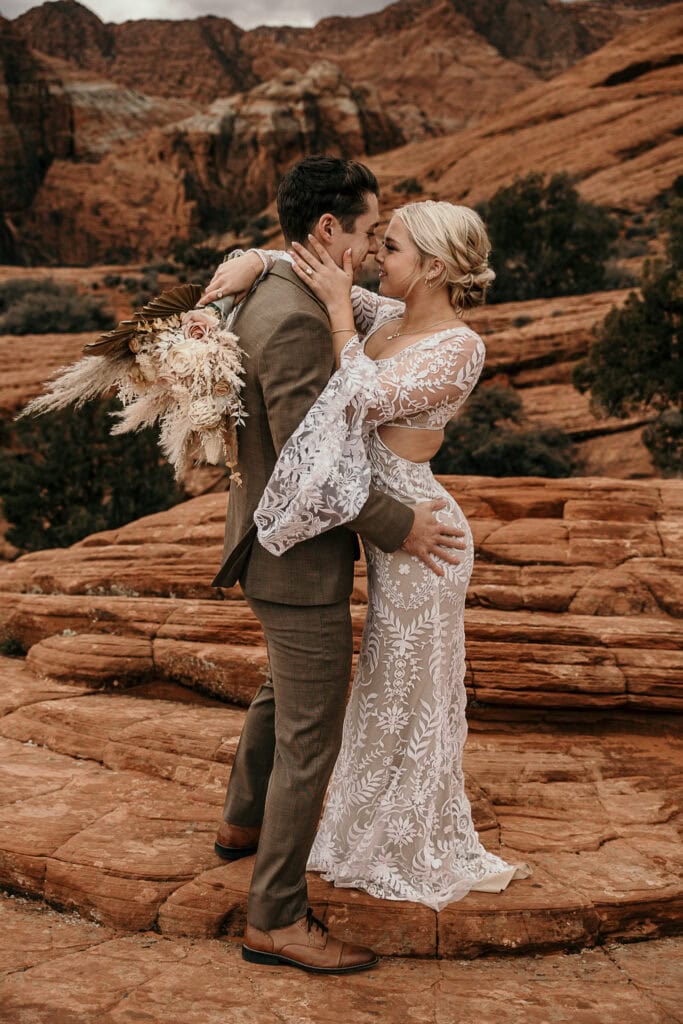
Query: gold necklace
point(398, 334)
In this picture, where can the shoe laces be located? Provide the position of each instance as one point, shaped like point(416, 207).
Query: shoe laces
point(313, 922)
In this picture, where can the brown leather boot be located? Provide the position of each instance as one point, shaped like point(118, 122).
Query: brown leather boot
point(235, 841)
point(306, 944)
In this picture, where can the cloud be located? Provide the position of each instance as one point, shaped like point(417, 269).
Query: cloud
point(258, 12)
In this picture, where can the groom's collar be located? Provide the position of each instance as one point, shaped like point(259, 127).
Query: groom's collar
point(283, 269)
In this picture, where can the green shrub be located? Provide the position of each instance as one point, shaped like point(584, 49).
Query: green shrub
point(34, 306)
point(410, 187)
point(10, 647)
point(546, 240)
point(198, 260)
point(489, 439)
point(63, 476)
point(664, 440)
point(636, 360)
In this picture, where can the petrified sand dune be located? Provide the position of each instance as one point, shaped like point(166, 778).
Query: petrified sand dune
point(118, 729)
point(573, 602)
point(205, 172)
point(112, 800)
point(612, 122)
point(77, 971)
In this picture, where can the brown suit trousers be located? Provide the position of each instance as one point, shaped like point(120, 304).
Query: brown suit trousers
point(292, 732)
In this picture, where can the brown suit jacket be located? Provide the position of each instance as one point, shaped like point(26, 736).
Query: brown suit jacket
point(285, 332)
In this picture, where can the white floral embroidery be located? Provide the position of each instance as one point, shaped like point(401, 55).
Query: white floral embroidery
point(393, 719)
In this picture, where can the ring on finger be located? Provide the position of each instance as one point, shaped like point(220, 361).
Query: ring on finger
point(309, 271)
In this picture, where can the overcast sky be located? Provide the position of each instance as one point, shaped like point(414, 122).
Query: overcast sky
point(256, 12)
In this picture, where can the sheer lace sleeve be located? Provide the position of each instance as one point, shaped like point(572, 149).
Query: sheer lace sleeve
point(322, 477)
point(435, 376)
point(368, 308)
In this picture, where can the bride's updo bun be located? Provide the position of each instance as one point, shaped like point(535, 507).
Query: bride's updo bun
point(456, 236)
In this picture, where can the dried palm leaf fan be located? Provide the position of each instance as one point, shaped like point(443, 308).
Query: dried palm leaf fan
point(116, 344)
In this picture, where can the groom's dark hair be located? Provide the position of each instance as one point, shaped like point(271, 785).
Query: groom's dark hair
point(323, 184)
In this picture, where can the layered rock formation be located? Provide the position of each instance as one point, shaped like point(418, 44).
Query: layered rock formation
point(387, 85)
point(104, 114)
point(205, 173)
point(434, 72)
point(115, 773)
point(573, 603)
point(35, 127)
point(67, 969)
point(209, 57)
point(549, 37)
point(613, 122)
point(201, 57)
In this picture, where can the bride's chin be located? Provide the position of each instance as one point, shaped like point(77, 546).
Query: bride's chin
point(386, 291)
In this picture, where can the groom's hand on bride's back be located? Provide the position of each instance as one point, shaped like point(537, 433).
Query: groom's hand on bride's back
point(430, 539)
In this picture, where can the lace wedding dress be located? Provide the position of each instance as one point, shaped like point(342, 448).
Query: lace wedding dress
point(397, 822)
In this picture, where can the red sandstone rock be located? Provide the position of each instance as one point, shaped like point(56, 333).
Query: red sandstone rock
point(225, 60)
point(216, 166)
point(127, 834)
point(20, 686)
point(150, 729)
point(231, 672)
point(173, 184)
point(617, 106)
point(63, 969)
point(602, 554)
point(94, 658)
point(35, 125)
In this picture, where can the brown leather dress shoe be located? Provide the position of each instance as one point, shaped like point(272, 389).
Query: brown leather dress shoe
point(235, 841)
point(306, 944)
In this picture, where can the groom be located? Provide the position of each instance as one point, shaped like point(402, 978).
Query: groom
point(292, 732)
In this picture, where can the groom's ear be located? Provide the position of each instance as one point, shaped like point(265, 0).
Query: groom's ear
point(326, 228)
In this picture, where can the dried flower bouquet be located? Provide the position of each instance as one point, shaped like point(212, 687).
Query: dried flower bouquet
point(184, 371)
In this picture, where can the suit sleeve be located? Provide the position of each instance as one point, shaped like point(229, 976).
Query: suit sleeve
point(295, 366)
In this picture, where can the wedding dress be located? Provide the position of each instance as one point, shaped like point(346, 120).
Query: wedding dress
point(397, 822)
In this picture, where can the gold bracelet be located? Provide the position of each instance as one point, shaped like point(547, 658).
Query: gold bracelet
point(345, 330)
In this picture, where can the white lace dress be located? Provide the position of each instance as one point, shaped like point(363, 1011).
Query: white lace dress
point(397, 822)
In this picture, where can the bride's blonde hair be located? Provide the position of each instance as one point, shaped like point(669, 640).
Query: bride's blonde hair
point(455, 235)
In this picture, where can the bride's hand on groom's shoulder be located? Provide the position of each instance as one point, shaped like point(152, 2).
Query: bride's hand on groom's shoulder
point(234, 277)
point(318, 270)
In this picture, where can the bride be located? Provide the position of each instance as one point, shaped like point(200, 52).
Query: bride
point(397, 822)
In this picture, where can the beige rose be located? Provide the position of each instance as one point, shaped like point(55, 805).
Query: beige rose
point(198, 323)
point(180, 359)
